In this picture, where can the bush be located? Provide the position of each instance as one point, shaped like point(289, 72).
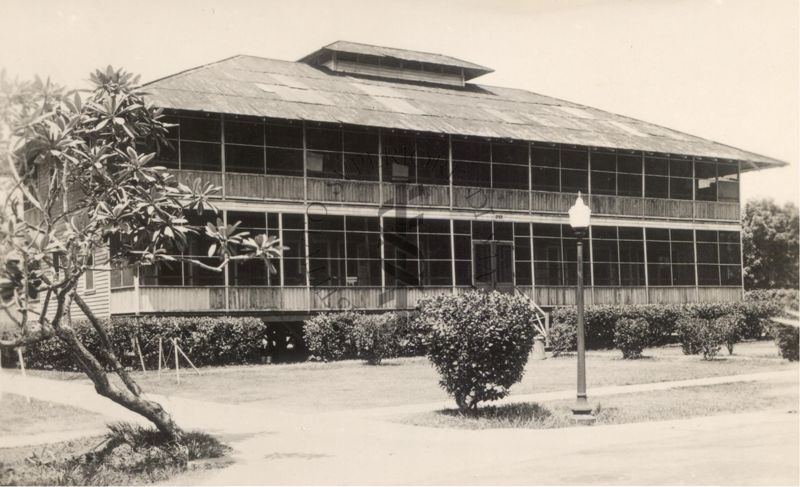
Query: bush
point(631, 336)
point(756, 316)
point(375, 336)
point(784, 298)
point(732, 327)
point(411, 334)
point(787, 338)
point(700, 335)
point(479, 343)
point(563, 337)
point(329, 336)
point(223, 340)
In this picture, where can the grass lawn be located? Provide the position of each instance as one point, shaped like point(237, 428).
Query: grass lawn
point(679, 403)
point(313, 387)
point(19, 417)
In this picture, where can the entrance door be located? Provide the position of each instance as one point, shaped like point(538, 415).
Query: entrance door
point(494, 265)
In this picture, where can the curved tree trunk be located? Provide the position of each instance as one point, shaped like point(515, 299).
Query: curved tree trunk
point(129, 398)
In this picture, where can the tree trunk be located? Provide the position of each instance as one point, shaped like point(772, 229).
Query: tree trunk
point(126, 398)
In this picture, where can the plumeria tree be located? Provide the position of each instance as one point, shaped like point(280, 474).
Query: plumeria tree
point(86, 195)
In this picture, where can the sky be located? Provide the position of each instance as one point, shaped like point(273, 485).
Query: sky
point(726, 70)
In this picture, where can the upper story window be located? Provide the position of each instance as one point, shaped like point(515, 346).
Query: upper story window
point(616, 173)
point(716, 181)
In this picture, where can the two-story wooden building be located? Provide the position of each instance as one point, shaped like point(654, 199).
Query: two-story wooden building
point(391, 176)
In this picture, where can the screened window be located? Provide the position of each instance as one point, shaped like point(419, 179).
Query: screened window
point(472, 162)
point(284, 149)
point(555, 256)
point(253, 272)
point(200, 144)
point(244, 147)
point(718, 258)
point(616, 174)
point(545, 162)
point(522, 254)
point(324, 153)
point(360, 155)
point(670, 257)
point(398, 158)
point(462, 243)
point(294, 263)
point(510, 165)
point(669, 177)
point(401, 252)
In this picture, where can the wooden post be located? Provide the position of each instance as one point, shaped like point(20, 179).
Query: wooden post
point(24, 376)
point(177, 367)
point(160, 356)
point(141, 357)
point(189, 360)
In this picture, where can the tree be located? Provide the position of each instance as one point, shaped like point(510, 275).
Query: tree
point(85, 182)
point(770, 240)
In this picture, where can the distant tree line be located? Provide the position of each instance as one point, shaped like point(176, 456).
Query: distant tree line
point(770, 238)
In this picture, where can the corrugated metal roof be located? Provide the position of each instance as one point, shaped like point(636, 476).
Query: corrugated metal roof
point(402, 54)
point(248, 85)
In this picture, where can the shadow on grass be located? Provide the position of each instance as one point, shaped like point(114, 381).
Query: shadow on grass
point(518, 415)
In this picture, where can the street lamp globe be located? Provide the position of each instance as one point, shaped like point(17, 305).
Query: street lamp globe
point(579, 216)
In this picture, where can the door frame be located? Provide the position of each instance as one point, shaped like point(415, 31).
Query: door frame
point(494, 284)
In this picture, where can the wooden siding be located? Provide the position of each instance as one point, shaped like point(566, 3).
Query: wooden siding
point(710, 210)
point(674, 295)
point(294, 299)
point(720, 294)
point(291, 188)
point(123, 301)
point(510, 199)
point(331, 190)
point(260, 187)
point(424, 195)
point(620, 295)
point(98, 298)
point(668, 208)
point(616, 205)
point(188, 177)
point(545, 202)
point(166, 299)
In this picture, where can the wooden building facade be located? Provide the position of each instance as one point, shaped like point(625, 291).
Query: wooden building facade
point(390, 178)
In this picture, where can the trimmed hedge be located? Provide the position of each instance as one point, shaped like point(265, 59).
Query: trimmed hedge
point(661, 321)
point(222, 340)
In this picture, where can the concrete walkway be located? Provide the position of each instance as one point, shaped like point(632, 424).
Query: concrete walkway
point(358, 447)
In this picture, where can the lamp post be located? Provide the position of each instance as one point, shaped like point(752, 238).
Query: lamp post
point(579, 220)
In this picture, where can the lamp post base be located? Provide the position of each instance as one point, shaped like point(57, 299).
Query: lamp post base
point(582, 411)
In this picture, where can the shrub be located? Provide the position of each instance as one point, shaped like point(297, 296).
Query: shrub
point(220, 340)
point(699, 335)
point(756, 316)
point(731, 326)
point(631, 336)
point(374, 336)
point(787, 338)
point(479, 343)
point(563, 337)
point(412, 334)
point(784, 298)
point(329, 336)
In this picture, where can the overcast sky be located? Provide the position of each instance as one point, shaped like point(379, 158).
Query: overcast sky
point(726, 70)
